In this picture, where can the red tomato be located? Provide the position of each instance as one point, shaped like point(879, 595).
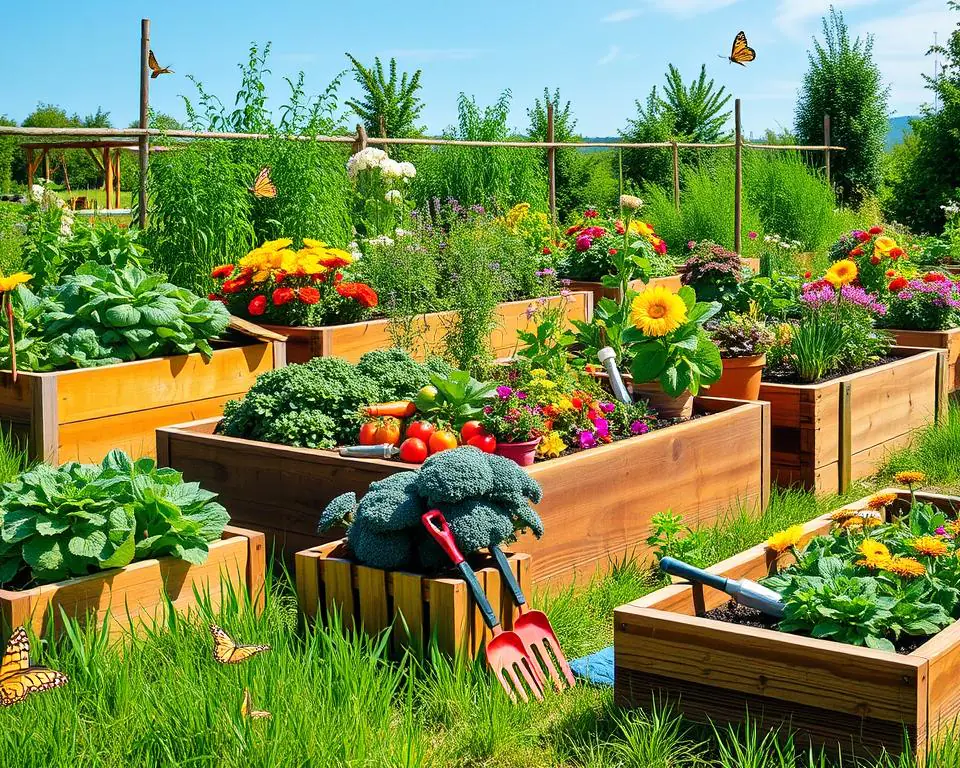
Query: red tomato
point(368, 433)
point(486, 443)
point(471, 429)
point(413, 450)
point(442, 440)
point(422, 430)
point(388, 431)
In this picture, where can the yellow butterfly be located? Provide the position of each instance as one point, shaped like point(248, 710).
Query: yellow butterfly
point(17, 678)
point(156, 69)
point(263, 187)
point(226, 651)
point(247, 710)
point(741, 52)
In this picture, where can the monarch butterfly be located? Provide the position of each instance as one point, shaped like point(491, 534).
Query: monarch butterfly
point(741, 52)
point(157, 70)
point(226, 651)
point(263, 187)
point(247, 710)
point(17, 678)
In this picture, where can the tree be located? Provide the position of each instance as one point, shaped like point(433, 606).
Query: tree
point(843, 81)
point(388, 107)
point(8, 151)
point(926, 169)
point(696, 113)
point(564, 122)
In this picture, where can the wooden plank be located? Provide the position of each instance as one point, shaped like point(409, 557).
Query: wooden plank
point(308, 582)
point(408, 605)
point(372, 599)
point(338, 591)
point(449, 616)
point(845, 422)
point(17, 398)
point(948, 340)
point(43, 422)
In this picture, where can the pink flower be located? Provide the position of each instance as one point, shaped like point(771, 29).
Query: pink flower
point(691, 245)
point(608, 407)
point(584, 242)
point(602, 427)
point(752, 235)
point(587, 439)
point(639, 427)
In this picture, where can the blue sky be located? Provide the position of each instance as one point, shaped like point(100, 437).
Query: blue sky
point(602, 54)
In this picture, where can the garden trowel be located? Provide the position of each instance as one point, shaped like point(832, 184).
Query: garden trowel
point(743, 591)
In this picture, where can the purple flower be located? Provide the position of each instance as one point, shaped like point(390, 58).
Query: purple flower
point(521, 395)
point(941, 531)
point(477, 209)
point(545, 272)
point(494, 266)
point(587, 439)
point(608, 407)
point(602, 426)
point(691, 244)
point(566, 282)
point(752, 235)
point(639, 427)
point(504, 392)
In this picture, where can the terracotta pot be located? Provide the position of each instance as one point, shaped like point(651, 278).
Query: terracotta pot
point(667, 407)
point(522, 453)
point(740, 379)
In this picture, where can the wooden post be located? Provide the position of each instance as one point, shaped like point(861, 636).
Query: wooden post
point(738, 181)
point(107, 176)
point(116, 195)
point(31, 168)
point(46, 163)
point(551, 164)
point(676, 176)
point(144, 117)
point(360, 143)
point(826, 143)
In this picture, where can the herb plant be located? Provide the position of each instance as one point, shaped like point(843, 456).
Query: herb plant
point(740, 335)
point(716, 274)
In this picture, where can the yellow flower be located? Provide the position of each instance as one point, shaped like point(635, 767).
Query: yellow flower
point(781, 542)
point(881, 501)
point(314, 243)
point(784, 333)
point(517, 214)
point(277, 245)
point(842, 273)
point(910, 478)
point(930, 546)
point(875, 555)
point(552, 445)
point(657, 311)
point(842, 515)
point(538, 373)
point(261, 276)
point(884, 244)
point(565, 404)
point(641, 228)
point(7, 284)
point(906, 567)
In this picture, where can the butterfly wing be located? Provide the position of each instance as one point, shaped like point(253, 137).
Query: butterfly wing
point(247, 710)
point(16, 658)
point(152, 63)
point(18, 686)
point(741, 51)
point(263, 186)
point(226, 651)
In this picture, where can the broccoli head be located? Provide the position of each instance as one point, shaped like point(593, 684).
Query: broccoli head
point(510, 482)
point(450, 477)
point(393, 504)
point(337, 511)
point(377, 549)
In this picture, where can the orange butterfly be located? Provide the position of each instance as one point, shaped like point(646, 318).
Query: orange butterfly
point(17, 678)
point(247, 710)
point(263, 187)
point(741, 52)
point(157, 70)
point(226, 651)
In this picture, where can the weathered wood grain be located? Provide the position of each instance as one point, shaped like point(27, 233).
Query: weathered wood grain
point(948, 340)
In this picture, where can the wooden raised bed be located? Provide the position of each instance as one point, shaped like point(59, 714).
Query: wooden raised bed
point(83, 414)
point(831, 694)
point(826, 435)
point(138, 594)
point(597, 504)
point(948, 340)
point(600, 291)
point(416, 607)
point(354, 339)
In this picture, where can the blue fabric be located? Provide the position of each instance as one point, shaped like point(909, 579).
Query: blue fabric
point(596, 669)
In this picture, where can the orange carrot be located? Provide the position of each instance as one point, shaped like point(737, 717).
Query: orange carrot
point(400, 409)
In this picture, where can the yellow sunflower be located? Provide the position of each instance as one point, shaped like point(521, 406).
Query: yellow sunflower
point(641, 228)
point(884, 244)
point(881, 501)
point(906, 567)
point(930, 546)
point(842, 273)
point(277, 245)
point(910, 478)
point(7, 284)
point(657, 311)
point(781, 542)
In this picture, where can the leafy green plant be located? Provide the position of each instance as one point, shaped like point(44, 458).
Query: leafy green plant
point(388, 107)
point(102, 316)
point(740, 335)
point(454, 399)
point(715, 274)
point(669, 537)
point(58, 523)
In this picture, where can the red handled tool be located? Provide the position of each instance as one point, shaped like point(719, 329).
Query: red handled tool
point(506, 655)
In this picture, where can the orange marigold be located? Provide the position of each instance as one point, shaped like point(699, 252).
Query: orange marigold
point(906, 567)
point(910, 478)
point(930, 546)
point(881, 501)
point(842, 515)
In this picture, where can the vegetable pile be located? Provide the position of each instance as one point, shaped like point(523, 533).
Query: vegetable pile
point(81, 518)
point(483, 497)
point(102, 316)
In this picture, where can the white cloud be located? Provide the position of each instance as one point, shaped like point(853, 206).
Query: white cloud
point(673, 7)
point(612, 53)
point(624, 14)
point(433, 54)
point(793, 16)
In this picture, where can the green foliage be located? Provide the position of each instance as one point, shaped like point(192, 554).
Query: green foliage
point(483, 497)
point(715, 274)
point(388, 107)
point(12, 237)
point(103, 315)
point(8, 152)
point(59, 523)
point(740, 335)
point(844, 81)
point(488, 176)
point(457, 398)
point(397, 374)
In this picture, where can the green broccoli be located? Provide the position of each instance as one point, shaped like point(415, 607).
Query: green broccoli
point(337, 511)
point(393, 504)
point(397, 374)
point(389, 551)
point(509, 483)
point(450, 477)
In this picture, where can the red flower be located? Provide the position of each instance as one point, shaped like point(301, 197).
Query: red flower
point(257, 305)
point(224, 270)
point(891, 273)
point(546, 251)
point(308, 295)
point(875, 230)
point(232, 286)
point(362, 293)
point(619, 227)
point(612, 251)
point(595, 231)
point(934, 277)
point(661, 247)
point(573, 230)
point(282, 295)
point(896, 253)
point(279, 276)
point(864, 237)
point(858, 251)
point(897, 284)
point(215, 297)
point(807, 275)
point(590, 213)
point(874, 260)
point(338, 277)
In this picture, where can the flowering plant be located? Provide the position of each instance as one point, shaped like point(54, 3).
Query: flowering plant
point(379, 184)
point(873, 252)
point(715, 273)
point(532, 226)
point(512, 417)
point(277, 284)
point(740, 335)
point(927, 303)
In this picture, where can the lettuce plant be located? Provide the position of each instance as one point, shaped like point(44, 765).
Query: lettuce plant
point(81, 518)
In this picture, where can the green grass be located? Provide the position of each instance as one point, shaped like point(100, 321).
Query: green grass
point(935, 451)
point(11, 240)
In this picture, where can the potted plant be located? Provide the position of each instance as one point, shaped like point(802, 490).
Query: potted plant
point(716, 274)
point(517, 425)
point(743, 341)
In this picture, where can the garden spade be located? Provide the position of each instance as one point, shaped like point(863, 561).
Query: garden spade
point(506, 655)
point(535, 631)
point(743, 591)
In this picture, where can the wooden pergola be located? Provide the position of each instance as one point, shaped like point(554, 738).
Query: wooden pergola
point(105, 153)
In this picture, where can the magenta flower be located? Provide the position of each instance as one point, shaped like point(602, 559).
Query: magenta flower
point(584, 242)
point(521, 395)
point(602, 426)
point(752, 235)
point(608, 407)
point(488, 409)
point(504, 392)
point(639, 427)
point(691, 245)
point(587, 439)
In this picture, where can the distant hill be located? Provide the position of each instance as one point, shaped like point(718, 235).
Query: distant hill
point(899, 127)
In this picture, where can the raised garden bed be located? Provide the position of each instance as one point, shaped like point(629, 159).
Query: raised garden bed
point(948, 340)
point(830, 693)
point(600, 291)
point(416, 607)
point(826, 435)
point(141, 592)
point(83, 414)
point(597, 503)
point(351, 341)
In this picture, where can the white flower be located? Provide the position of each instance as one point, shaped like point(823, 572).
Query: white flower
point(394, 197)
point(354, 250)
point(365, 160)
point(630, 202)
point(382, 240)
point(403, 232)
point(408, 170)
point(785, 245)
point(391, 169)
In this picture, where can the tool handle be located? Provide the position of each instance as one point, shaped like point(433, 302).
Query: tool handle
point(608, 358)
point(436, 525)
point(507, 572)
point(690, 572)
